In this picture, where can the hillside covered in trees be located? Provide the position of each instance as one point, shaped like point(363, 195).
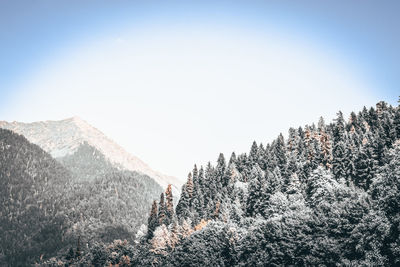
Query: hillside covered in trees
point(46, 205)
point(328, 194)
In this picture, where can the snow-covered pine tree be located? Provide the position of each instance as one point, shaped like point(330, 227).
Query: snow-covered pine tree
point(152, 221)
point(169, 205)
point(162, 217)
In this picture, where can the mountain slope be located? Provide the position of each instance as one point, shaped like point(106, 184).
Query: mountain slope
point(30, 180)
point(103, 202)
point(63, 138)
point(45, 204)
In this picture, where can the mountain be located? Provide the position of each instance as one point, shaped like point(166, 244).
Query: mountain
point(47, 204)
point(30, 182)
point(63, 138)
point(327, 195)
point(102, 202)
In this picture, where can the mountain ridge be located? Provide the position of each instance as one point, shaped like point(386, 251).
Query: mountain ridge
point(63, 137)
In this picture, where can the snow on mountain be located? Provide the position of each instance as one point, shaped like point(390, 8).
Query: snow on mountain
point(61, 138)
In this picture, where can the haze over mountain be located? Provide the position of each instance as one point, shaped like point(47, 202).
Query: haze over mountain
point(63, 138)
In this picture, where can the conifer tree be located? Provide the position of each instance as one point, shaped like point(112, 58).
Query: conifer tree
point(70, 256)
point(396, 123)
point(220, 170)
point(184, 205)
point(78, 252)
point(195, 176)
point(189, 187)
point(325, 149)
point(372, 119)
point(280, 152)
point(232, 158)
point(196, 183)
point(339, 158)
point(253, 156)
point(162, 217)
point(183, 208)
point(321, 125)
point(201, 182)
point(364, 166)
point(152, 221)
point(169, 205)
point(338, 129)
point(255, 191)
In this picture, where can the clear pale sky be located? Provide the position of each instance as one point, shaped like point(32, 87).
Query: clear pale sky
point(177, 82)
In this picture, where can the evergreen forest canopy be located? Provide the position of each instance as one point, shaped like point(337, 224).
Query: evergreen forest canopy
point(46, 205)
point(328, 194)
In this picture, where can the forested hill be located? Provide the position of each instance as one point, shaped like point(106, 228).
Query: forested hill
point(46, 205)
point(29, 222)
point(327, 195)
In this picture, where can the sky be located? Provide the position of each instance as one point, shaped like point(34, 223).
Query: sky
point(177, 82)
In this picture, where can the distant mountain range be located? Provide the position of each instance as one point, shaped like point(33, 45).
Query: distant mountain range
point(64, 138)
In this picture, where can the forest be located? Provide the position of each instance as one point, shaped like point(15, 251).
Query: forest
point(46, 205)
point(327, 194)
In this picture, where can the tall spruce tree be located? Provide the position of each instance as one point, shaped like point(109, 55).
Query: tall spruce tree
point(152, 221)
point(220, 171)
point(169, 205)
point(253, 155)
point(256, 181)
point(162, 217)
point(280, 153)
point(365, 166)
point(183, 208)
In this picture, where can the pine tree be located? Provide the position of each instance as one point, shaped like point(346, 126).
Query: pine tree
point(162, 217)
point(396, 123)
point(292, 141)
point(256, 180)
point(152, 221)
point(183, 209)
point(175, 234)
point(70, 256)
point(195, 176)
point(78, 252)
point(364, 166)
point(338, 129)
point(169, 205)
point(196, 183)
point(220, 171)
point(280, 153)
point(201, 182)
point(189, 187)
point(325, 149)
point(253, 156)
point(232, 158)
point(339, 158)
point(372, 119)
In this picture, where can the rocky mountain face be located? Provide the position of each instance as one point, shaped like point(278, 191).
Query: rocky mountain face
point(63, 138)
